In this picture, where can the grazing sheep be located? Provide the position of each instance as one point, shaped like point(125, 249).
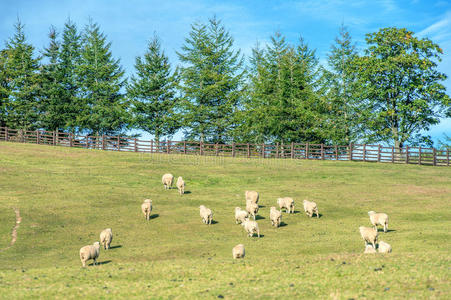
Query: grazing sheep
point(287, 203)
point(181, 185)
point(275, 216)
point(251, 227)
point(206, 214)
point(384, 247)
point(251, 196)
point(378, 218)
point(369, 235)
point(146, 208)
point(238, 251)
point(106, 236)
point(310, 208)
point(89, 252)
point(369, 249)
point(252, 208)
point(240, 215)
point(167, 181)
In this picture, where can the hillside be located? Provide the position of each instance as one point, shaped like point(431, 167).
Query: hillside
point(66, 196)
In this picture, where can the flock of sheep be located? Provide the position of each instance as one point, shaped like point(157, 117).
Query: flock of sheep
point(243, 217)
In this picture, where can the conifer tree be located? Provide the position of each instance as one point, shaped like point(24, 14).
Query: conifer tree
point(4, 87)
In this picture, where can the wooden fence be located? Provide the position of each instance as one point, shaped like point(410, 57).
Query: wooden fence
point(357, 152)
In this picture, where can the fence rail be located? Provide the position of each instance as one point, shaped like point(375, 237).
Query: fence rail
point(354, 152)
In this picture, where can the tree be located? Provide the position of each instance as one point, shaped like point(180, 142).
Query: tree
point(4, 86)
point(211, 81)
point(152, 93)
point(341, 90)
point(401, 86)
point(103, 107)
point(21, 106)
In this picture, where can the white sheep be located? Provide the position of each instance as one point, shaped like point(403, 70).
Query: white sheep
point(369, 249)
point(238, 251)
point(240, 215)
point(89, 252)
point(384, 247)
point(181, 185)
point(287, 203)
point(206, 214)
point(310, 208)
point(251, 227)
point(252, 208)
point(275, 216)
point(369, 235)
point(146, 208)
point(378, 218)
point(251, 196)
point(167, 180)
point(106, 236)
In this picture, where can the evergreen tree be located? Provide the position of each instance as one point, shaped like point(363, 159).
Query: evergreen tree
point(103, 107)
point(4, 86)
point(211, 81)
point(152, 93)
point(22, 106)
point(401, 87)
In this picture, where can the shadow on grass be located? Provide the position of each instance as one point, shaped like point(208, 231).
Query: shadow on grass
point(261, 206)
point(115, 247)
point(282, 224)
point(154, 216)
point(187, 192)
point(382, 230)
point(258, 217)
point(101, 262)
point(214, 222)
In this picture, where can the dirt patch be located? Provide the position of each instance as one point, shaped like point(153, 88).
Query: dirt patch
point(14, 232)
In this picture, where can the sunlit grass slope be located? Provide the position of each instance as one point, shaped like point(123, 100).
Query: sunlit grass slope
point(67, 196)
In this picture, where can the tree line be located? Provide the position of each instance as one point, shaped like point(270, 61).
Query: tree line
point(391, 91)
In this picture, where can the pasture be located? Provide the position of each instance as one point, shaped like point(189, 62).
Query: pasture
point(67, 196)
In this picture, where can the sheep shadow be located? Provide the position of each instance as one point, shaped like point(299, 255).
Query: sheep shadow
point(116, 247)
point(154, 216)
point(187, 192)
point(258, 217)
point(214, 222)
point(261, 206)
point(388, 230)
point(282, 224)
point(101, 263)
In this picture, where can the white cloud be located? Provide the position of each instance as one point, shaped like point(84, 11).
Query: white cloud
point(440, 30)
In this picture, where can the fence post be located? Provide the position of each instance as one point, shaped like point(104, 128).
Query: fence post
point(322, 151)
point(306, 150)
point(407, 154)
point(103, 141)
point(350, 151)
point(53, 137)
point(393, 154)
point(419, 155)
point(447, 157)
point(233, 149)
point(200, 148)
point(184, 147)
point(118, 143)
point(217, 149)
point(248, 150)
point(71, 139)
point(136, 145)
point(263, 150)
point(277, 150)
point(37, 136)
point(151, 146)
point(336, 152)
point(168, 146)
point(6, 133)
point(435, 156)
point(292, 150)
point(379, 153)
point(364, 152)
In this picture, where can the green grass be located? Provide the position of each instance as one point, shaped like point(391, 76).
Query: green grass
point(67, 196)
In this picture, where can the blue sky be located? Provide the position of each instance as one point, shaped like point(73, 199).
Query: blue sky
point(130, 24)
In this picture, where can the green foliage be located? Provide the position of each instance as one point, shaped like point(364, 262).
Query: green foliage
point(402, 88)
point(283, 105)
point(211, 80)
point(152, 93)
point(21, 88)
point(104, 108)
point(4, 86)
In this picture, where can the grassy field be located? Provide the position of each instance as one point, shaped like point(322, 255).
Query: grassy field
point(67, 196)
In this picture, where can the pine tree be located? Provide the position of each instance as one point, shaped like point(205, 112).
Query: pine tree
point(22, 107)
point(4, 86)
point(211, 82)
point(152, 93)
point(104, 109)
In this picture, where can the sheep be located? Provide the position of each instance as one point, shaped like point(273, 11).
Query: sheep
point(251, 208)
point(89, 252)
point(238, 251)
point(251, 227)
point(384, 247)
point(206, 214)
point(106, 236)
point(167, 180)
point(310, 208)
point(240, 215)
point(181, 185)
point(369, 249)
point(369, 235)
point(251, 196)
point(378, 218)
point(275, 216)
point(146, 208)
point(287, 203)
